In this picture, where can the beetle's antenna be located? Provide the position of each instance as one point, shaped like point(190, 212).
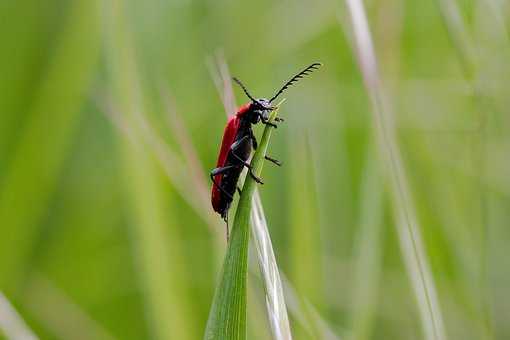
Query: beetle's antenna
point(244, 89)
point(297, 77)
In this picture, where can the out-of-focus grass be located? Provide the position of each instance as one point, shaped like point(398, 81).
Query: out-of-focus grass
point(306, 234)
point(92, 212)
point(41, 145)
point(408, 226)
point(155, 246)
point(368, 249)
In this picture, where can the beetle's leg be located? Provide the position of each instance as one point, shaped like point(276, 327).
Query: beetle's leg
point(233, 148)
point(249, 167)
point(254, 144)
point(279, 119)
point(274, 161)
point(219, 171)
point(237, 144)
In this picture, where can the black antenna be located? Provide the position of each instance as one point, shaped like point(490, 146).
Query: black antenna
point(244, 89)
point(297, 77)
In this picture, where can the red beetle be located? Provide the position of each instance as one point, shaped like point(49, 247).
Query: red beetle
point(237, 143)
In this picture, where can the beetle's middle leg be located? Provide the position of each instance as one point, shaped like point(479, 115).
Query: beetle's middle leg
point(233, 149)
point(254, 144)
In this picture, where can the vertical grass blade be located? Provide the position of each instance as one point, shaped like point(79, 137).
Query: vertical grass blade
point(304, 240)
point(58, 313)
point(32, 173)
point(158, 255)
point(408, 229)
point(368, 252)
point(227, 317)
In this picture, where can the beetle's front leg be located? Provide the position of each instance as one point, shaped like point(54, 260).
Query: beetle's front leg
point(267, 122)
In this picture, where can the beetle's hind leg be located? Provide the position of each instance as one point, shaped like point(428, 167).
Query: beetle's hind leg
point(250, 170)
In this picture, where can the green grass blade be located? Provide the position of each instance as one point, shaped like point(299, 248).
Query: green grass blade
point(32, 173)
point(408, 227)
point(227, 317)
point(368, 248)
point(157, 250)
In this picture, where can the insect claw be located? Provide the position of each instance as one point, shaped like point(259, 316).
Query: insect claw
point(279, 119)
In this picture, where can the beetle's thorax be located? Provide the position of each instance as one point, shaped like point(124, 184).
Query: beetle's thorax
point(247, 113)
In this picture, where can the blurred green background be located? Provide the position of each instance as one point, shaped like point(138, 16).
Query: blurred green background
point(105, 227)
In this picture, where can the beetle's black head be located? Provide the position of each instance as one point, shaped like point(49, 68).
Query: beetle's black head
point(260, 110)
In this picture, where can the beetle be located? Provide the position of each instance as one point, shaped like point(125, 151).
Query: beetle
point(237, 143)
